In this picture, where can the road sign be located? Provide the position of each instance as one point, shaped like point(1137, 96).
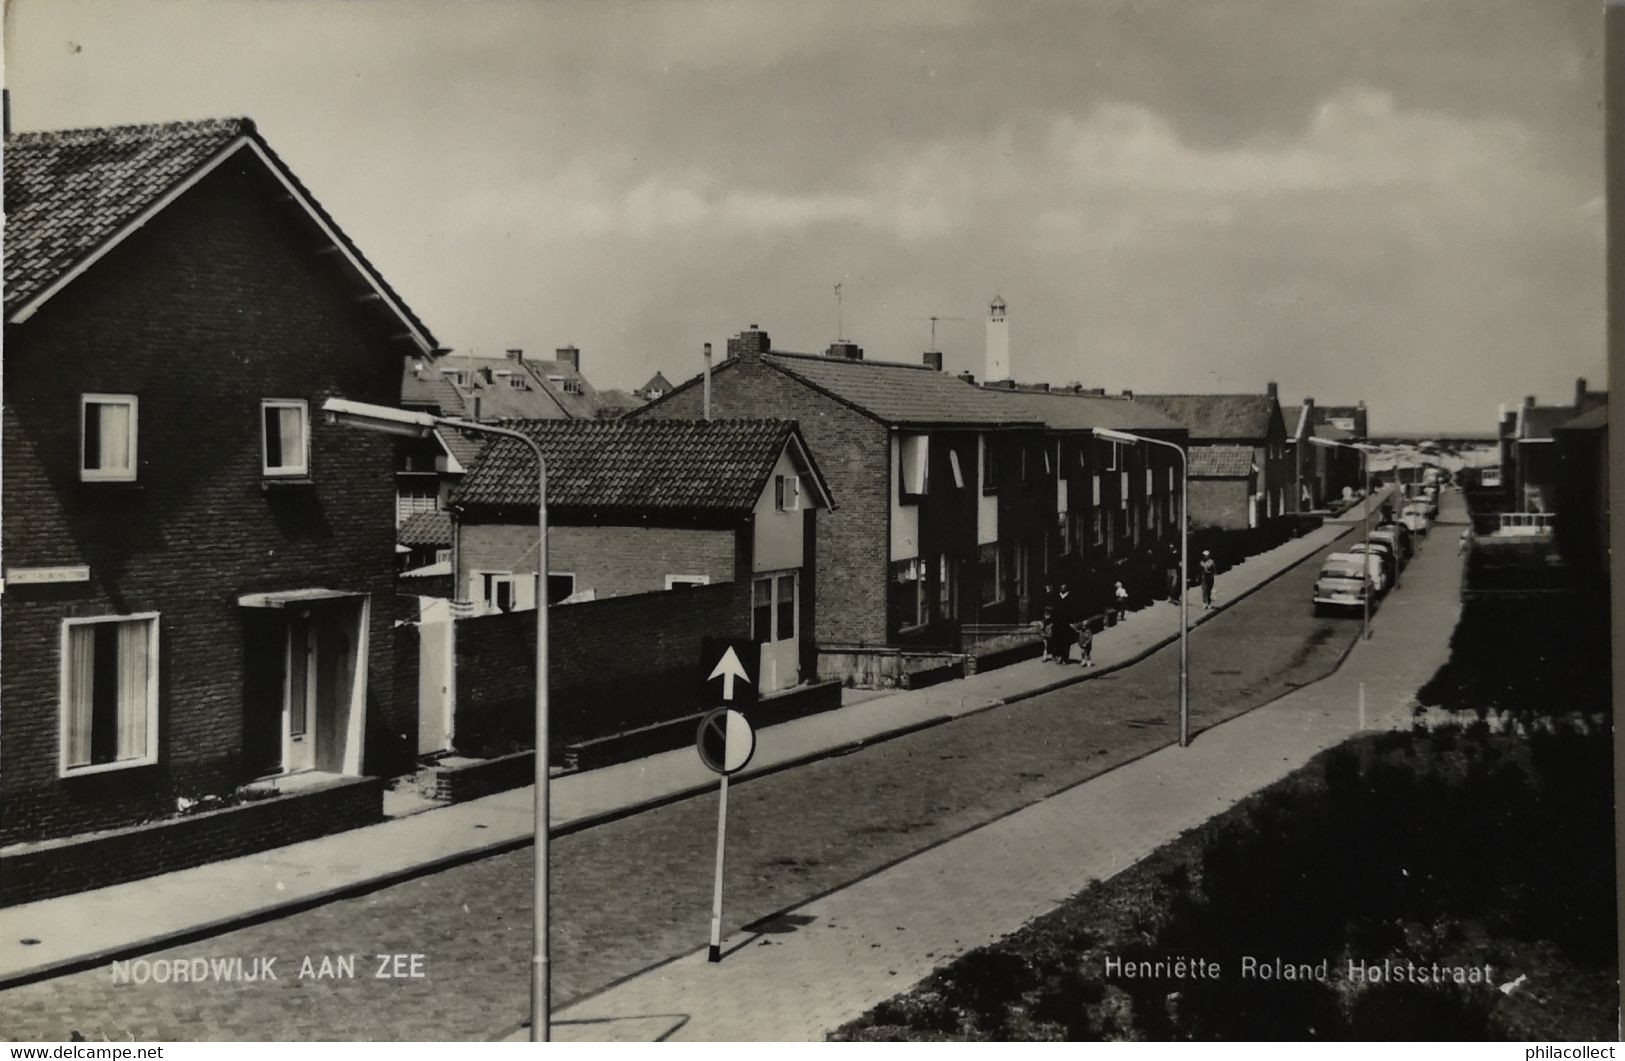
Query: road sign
point(728, 669)
point(725, 741)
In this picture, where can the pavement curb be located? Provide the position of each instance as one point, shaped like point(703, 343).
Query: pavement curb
point(271, 912)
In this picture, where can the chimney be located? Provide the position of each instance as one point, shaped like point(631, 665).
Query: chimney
point(1128, 394)
point(998, 341)
point(749, 344)
point(933, 360)
point(570, 355)
point(968, 377)
point(706, 400)
point(476, 408)
point(487, 375)
point(515, 354)
point(844, 350)
point(1579, 394)
point(1269, 389)
point(5, 106)
point(1528, 401)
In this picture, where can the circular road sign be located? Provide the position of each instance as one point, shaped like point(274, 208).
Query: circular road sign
point(725, 741)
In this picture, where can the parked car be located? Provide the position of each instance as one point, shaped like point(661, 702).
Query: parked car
point(1431, 497)
point(1376, 565)
point(1342, 584)
point(1399, 538)
point(1415, 517)
point(1388, 565)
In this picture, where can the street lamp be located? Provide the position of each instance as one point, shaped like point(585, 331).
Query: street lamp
point(1184, 567)
point(401, 422)
point(1365, 470)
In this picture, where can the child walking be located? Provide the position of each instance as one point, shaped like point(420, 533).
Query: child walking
point(1086, 643)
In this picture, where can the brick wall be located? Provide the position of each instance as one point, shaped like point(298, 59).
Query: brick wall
point(851, 451)
point(614, 561)
point(218, 302)
point(1220, 503)
point(614, 665)
point(47, 870)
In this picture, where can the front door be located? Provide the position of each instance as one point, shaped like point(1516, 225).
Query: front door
point(301, 693)
point(324, 687)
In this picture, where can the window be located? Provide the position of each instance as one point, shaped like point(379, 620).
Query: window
point(1149, 485)
point(109, 693)
point(497, 591)
point(517, 383)
point(107, 437)
point(908, 594)
point(415, 498)
point(787, 493)
point(761, 612)
point(560, 584)
point(1099, 528)
point(1021, 465)
point(784, 618)
point(572, 386)
point(946, 584)
point(1170, 480)
point(1122, 489)
point(442, 556)
point(1019, 566)
point(687, 581)
point(990, 466)
point(286, 449)
point(988, 564)
point(1094, 494)
point(953, 464)
point(1114, 456)
point(913, 452)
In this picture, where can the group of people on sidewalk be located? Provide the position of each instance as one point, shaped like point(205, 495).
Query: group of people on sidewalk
point(1065, 624)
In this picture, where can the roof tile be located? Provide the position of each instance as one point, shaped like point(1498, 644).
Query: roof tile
point(1221, 462)
point(1238, 416)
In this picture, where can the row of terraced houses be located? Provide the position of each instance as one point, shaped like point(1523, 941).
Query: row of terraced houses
point(227, 622)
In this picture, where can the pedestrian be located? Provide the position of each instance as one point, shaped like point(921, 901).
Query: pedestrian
point(1174, 588)
point(1120, 595)
point(1209, 568)
point(1086, 642)
point(1062, 617)
point(1046, 629)
point(1466, 540)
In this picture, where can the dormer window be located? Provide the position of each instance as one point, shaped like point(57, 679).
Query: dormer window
point(517, 383)
point(572, 386)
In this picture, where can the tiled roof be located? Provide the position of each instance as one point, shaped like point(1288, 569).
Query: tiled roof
point(613, 402)
point(426, 528)
point(657, 382)
point(1588, 421)
point(901, 394)
point(644, 465)
point(1237, 416)
point(1539, 421)
point(431, 389)
point(464, 450)
point(1221, 462)
point(69, 192)
point(1068, 411)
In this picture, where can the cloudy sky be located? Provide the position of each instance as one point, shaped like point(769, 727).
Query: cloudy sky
point(1395, 200)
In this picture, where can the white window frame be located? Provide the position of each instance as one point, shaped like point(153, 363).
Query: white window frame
point(998, 573)
point(1115, 461)
point(284, 471)
point(787, 493)
point(953, 464)
point(922, 609)
point(150, 754)
point(914, 463)
point(102, 475)
point(497, 578)
point(673, 581)
point(773, 579)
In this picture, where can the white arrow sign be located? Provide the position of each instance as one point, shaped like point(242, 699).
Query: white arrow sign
point(729, 668)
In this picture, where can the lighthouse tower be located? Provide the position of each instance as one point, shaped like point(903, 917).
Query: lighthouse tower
point(998, 342)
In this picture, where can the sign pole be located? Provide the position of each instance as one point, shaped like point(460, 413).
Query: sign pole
point(716, 895)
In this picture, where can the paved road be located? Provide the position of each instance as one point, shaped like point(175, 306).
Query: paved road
point(636, 892)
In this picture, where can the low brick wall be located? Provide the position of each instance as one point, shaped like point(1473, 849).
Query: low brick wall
point(62, 867)
point(882, 667)
point(460, 782)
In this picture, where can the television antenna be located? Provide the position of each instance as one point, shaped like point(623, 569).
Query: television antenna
point(933, 320)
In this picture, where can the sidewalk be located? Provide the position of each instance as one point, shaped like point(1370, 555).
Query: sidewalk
point(78, 931)
point(827, 962)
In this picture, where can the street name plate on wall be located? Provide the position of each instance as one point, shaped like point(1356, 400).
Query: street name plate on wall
point(35, 576)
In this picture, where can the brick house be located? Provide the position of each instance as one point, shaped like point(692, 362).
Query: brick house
point(198, 572)
point(1232, 497)
point(1581, 494)
point(651, 506)
point(952, 508)
point(1530, 467)
point(1324, 473)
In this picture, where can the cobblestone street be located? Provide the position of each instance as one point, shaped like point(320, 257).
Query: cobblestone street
point(636, 892)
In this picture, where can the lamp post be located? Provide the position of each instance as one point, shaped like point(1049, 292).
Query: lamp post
point(387, 420)
point(1184, 567)
point(1365, 470)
